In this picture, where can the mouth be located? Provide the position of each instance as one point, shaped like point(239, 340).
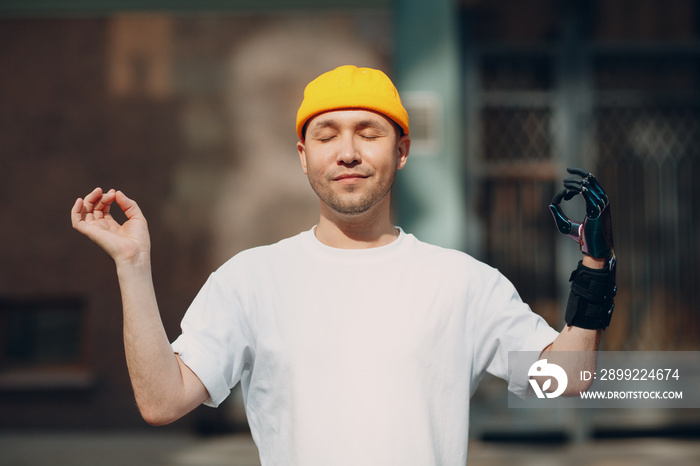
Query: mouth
point(349, 177)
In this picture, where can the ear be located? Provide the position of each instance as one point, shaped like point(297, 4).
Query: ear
point(402, 146)
point(301, 148)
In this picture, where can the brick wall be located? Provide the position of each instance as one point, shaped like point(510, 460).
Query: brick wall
point(191, 116)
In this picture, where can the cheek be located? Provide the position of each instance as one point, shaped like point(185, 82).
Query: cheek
point(314, 170)
point(385, 161)
point(318, 164)
point(384, 155)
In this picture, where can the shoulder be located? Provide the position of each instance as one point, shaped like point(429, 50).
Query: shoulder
point(452, 264)
point(263, 256)
point(454, 257)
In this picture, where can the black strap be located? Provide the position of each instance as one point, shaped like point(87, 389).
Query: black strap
point(591, 301)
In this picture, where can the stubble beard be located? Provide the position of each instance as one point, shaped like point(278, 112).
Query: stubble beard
point(352, 203)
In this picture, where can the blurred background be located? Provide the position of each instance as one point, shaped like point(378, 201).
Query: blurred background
point(189, 108)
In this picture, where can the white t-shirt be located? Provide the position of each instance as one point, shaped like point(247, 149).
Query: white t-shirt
point(357, 357)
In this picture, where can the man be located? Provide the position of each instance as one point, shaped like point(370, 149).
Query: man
point(354, 342)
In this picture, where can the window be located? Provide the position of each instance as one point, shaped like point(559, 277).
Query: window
point(42, 344)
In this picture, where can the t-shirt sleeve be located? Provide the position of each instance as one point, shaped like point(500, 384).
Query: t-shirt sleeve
point(506, 324)
point(216, 342)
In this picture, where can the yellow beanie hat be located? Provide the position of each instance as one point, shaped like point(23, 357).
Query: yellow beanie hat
point(349, 87)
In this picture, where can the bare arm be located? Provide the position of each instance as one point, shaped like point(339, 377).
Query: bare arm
point(165, 389)
point(576, 338)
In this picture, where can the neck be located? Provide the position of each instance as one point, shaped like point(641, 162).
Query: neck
point(361, 231)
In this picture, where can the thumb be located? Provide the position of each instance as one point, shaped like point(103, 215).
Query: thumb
point(128, 206)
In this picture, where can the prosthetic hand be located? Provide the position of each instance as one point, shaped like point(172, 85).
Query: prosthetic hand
point(595, 233)
point(591, 301)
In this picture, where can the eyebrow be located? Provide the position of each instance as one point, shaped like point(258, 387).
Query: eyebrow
point(331, 123)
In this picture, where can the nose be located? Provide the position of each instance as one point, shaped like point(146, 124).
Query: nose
point(347, 152)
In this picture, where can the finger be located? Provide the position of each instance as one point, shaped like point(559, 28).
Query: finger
point(104, 202)
point(564, 224)
point(570, 194)
point(101, 208)
point(556, 200)
point(594, 204)
point(129, 206)
point(596, 192)
point(578, 171)
point(595, 186)
point(560, 219)
point(573, 184)
point(598, 195)
point(76, 213)
point(91, 199)
point(81, 220)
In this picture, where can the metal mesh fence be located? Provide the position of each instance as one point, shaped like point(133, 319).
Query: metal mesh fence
point(515, 159)
point(516, 135)
point(520, 236)
point(647, 142)
point(649, 157)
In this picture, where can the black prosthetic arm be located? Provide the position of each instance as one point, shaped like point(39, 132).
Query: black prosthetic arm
point(591, 301)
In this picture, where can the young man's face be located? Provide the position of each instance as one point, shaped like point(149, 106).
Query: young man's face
point(351, 158)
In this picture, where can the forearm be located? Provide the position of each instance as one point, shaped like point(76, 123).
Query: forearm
point(575, 347)
point(575, 338)
point(594, 263)
point(156, 375)
point(164, 387)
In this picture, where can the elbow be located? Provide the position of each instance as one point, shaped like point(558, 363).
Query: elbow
point(155, 420)
point(157, 415)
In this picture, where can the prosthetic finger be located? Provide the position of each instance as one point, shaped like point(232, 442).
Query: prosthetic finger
point(573, 184)
point(576, 183)
point(570, 194)
point(578, 171)
point(594, 194)
point(594, 202)
point(556, 200)
point(563, 223)
point(594, 185)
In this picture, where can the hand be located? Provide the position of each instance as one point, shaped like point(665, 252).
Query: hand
point(129, 242)
point(595, 234)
